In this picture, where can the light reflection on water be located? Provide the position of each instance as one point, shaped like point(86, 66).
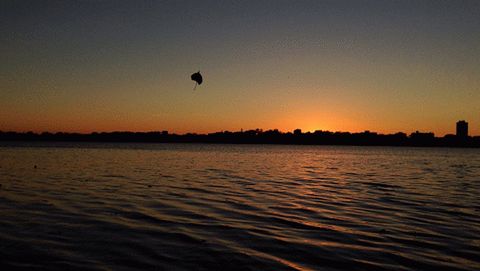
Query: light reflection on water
point(203, 207)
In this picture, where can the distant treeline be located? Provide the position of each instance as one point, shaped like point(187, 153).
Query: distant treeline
point(257, 136)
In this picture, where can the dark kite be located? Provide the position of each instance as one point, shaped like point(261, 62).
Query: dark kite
point(197, 77)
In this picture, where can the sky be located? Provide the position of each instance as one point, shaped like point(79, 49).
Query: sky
point(98, 65)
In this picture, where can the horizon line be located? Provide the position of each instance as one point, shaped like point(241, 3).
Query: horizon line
point(229, 131)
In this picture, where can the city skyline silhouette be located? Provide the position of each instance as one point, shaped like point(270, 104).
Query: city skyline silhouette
point(258, 136)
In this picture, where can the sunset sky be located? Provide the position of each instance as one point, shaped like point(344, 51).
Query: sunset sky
point(99, 65)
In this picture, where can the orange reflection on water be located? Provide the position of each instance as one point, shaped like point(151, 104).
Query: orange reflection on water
point(290, 264)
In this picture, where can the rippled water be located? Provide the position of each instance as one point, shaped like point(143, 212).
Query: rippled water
point(238, 207)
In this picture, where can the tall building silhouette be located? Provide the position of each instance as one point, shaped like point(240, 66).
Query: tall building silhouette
point(462, 129)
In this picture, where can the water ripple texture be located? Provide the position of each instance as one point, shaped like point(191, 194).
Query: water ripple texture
point(238, 207)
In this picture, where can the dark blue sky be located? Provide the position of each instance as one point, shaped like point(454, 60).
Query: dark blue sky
point(338, 65)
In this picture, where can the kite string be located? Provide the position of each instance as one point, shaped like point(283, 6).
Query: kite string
point(195, 87)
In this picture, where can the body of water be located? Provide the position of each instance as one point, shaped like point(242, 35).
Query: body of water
point(238, 207)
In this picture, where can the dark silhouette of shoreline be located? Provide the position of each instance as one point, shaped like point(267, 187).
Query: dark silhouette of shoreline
point(257, 136)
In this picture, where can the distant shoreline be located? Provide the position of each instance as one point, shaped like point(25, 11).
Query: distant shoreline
point(258, 136)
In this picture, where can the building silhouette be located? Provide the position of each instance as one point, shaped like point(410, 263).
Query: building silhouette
point(462, 129)
point(259, 136)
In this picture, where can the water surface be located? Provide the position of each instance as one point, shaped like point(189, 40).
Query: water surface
point(238, 207)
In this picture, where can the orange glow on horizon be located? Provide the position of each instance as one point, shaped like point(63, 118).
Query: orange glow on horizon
point(286, 124)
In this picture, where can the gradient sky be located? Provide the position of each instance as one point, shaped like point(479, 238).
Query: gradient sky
point(96, 65)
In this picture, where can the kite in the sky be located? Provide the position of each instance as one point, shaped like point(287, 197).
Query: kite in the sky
point(197, 77)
